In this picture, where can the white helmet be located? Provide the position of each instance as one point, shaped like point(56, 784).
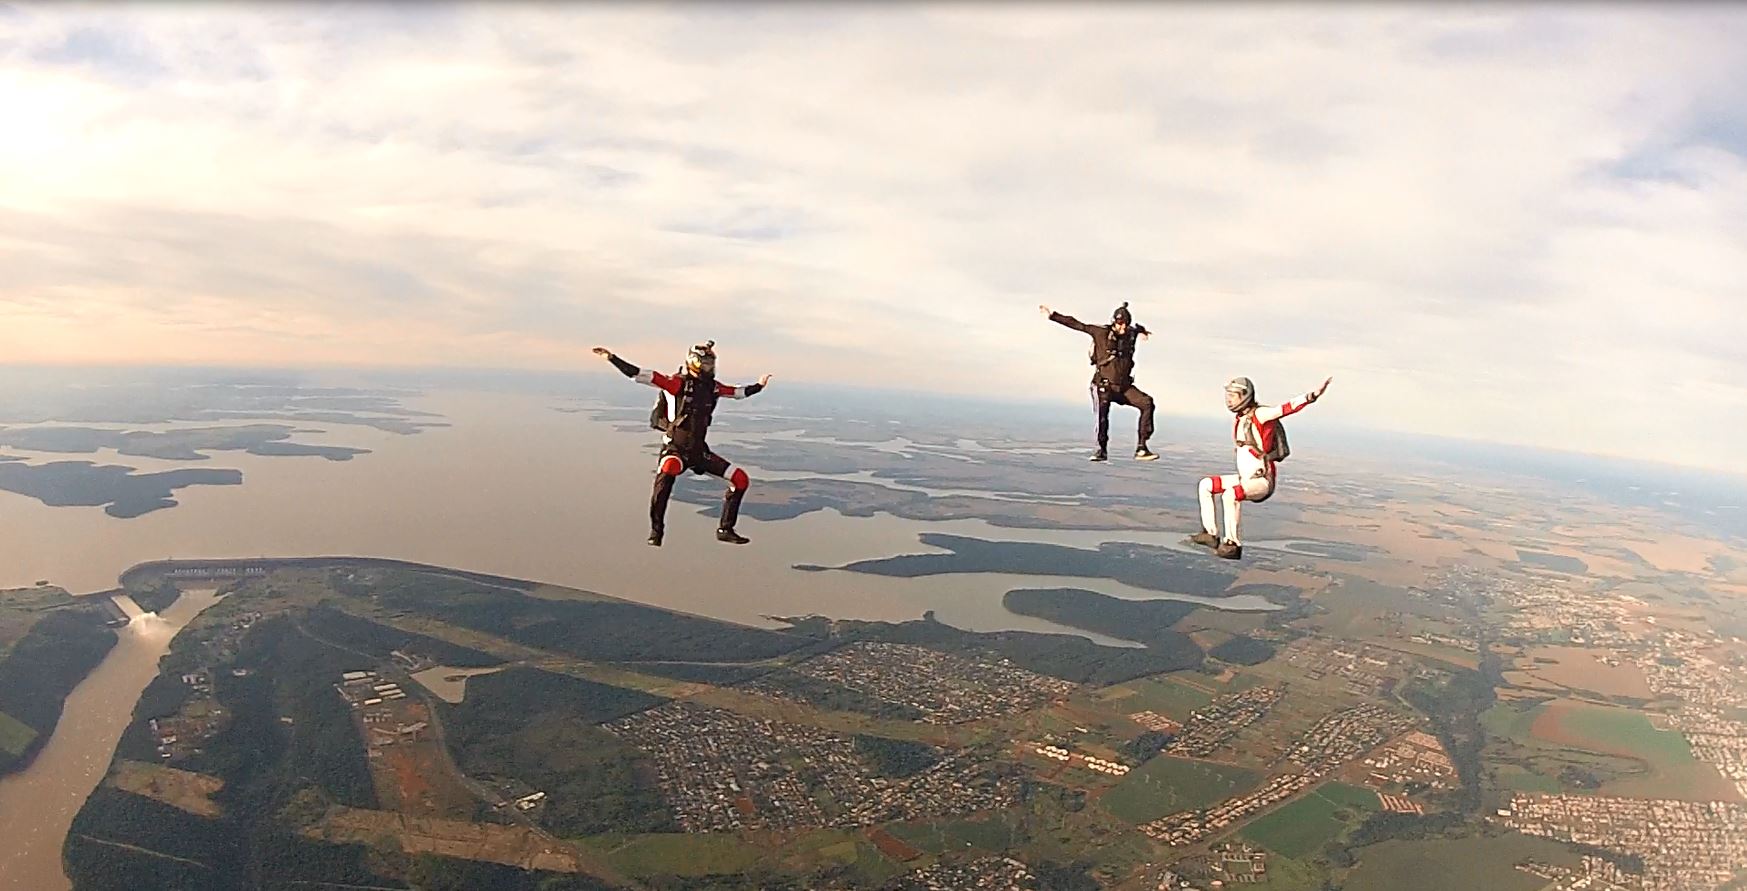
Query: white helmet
point(1240, 394)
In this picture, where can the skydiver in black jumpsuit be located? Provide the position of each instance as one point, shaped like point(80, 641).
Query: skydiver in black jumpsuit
point(695, 392)
point(1113, 375)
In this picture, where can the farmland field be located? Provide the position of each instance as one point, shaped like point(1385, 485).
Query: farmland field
point(1166, 785)
point(1304, 826)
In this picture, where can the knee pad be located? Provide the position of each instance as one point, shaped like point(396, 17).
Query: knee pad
point(1237, 491)
point(671, 466)
point(738, 480)
point(1213, 485)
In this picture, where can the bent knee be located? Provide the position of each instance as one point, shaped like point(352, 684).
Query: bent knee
point(671, 466)
point(1212, 485)
point(739, 480)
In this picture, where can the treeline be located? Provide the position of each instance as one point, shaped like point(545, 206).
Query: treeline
point(539, 727)
point(597, 630)
point(43, 667)
point(382, 640)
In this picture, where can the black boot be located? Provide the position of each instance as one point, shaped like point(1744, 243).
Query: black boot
point(658, 507)
point(1230, 550)
point(1205, 539)
point(1098, 456)
point(730, 516)
point(1144, 454)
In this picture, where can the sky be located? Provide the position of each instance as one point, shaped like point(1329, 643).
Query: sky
point(1519, 224)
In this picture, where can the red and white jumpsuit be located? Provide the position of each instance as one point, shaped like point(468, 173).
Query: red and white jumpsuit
point(1254, 480)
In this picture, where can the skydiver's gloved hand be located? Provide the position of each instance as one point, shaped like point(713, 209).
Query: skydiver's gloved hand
point(1317, 393)
point(625, 368)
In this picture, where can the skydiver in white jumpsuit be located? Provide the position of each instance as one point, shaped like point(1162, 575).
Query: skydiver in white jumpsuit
point(1259, 444)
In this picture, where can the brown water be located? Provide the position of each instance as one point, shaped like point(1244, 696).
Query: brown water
point(37, 806)
point(513, 488)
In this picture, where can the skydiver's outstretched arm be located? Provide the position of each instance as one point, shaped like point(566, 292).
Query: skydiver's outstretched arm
point(1065, 321)
point(1265, 413)
point(733, 392)
point(653, 378)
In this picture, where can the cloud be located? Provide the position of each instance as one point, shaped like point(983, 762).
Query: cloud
point(1502, 223)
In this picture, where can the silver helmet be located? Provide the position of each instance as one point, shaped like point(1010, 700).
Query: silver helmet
point(1240, 394)
point(701, 359)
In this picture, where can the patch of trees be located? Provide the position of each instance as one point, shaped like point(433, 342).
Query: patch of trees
point(597, 630)
point(896, 758)
point(43, 667)
point(159, 596)
point(538, 727)
point(1385, 826)
point(1146, 746)
point(382, 640)
point(1580, 778)
point(516, 697)
point(836, 697)
point(1243, 650)
point(1064, 877)
point(122, 818)
point(93, 865)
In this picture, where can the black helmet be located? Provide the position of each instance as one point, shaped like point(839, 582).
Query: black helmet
point(1122, 315)
point(701, 359)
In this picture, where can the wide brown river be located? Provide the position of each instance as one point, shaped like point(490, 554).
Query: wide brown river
point(512, 488)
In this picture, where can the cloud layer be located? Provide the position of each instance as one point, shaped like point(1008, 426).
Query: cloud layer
point(1505, 223)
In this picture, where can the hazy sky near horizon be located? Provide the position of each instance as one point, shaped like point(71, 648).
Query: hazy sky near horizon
point(1516, 223)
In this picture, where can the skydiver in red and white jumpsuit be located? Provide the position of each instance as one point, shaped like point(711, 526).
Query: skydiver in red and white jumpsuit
point(695, 391)
point(1251, 435)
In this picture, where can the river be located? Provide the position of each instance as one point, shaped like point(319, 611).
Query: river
point(38, 805)
point(512, 488)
